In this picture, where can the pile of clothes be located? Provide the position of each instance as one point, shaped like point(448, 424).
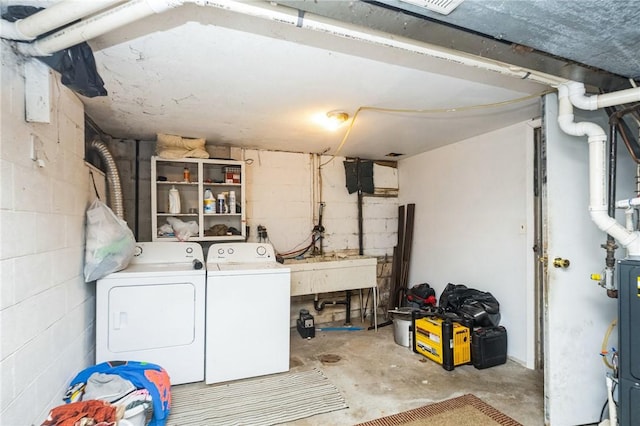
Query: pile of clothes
point(112, 391)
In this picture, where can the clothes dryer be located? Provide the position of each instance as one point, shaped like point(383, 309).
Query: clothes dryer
point(248, 312)
point(154, 310)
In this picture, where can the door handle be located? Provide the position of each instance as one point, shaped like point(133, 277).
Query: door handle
point(559, 262)
point(119, 320)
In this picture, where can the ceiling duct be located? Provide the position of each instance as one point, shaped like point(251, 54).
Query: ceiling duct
point(444, 7)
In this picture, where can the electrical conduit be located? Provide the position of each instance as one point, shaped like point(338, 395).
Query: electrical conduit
point(571, 94)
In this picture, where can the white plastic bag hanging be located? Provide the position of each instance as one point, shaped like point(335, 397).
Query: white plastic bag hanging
point(110, 244)
point(183, 230)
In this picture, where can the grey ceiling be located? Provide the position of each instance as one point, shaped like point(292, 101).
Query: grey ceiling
point(603, 34)
point(594, 41)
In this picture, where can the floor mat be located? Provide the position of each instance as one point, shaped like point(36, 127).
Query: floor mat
point(465, 410)
point(266, 400)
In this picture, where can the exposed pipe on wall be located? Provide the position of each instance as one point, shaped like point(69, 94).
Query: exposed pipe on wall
point(113, 178)
point(136, 203)
point(571, 94)
point(610, 246)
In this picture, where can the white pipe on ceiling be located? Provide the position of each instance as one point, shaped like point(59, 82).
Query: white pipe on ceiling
point(97, 25)
point(49, 19)
point(577, 94)
point(137, 9)
point(596, 137)
point(287, 15)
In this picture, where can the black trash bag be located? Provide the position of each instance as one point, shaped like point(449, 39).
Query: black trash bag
point(359, 176)
point(76, 64)
point(479, 306)
point(421, 296)
point(78, 69)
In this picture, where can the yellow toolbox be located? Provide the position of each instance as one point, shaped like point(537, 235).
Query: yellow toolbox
point(441, 340)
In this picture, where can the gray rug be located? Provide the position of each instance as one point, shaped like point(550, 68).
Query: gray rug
point(266, 400)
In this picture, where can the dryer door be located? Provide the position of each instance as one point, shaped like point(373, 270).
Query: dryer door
point(143, 317)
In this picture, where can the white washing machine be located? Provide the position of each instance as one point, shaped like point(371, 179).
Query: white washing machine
point(248, 310)
point(154, 310)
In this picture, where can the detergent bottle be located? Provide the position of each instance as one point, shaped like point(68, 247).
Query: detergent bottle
point(174, 200)
point(209, 201)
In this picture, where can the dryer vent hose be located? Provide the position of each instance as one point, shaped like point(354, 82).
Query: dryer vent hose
point(113, 178)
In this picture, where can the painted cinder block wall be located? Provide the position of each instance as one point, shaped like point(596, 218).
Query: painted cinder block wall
point(279, 196)
point(46, 309)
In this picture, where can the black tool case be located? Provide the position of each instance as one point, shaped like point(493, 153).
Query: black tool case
point(488, 346)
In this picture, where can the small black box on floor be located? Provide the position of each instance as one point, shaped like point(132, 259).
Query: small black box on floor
point(488, 346)
point(305, 324)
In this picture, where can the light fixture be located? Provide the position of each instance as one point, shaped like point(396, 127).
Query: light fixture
point(336, 119)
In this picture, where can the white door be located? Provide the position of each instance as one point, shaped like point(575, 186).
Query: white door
point(146, 317)
point(577, 309)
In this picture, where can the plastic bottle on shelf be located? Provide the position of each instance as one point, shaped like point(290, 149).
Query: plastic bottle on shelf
point(221, 205)
point(209, 201)
point(232, 202)
point(174, 200)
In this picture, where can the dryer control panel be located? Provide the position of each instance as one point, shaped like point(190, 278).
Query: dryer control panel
point(167, 252)
point(241, 253)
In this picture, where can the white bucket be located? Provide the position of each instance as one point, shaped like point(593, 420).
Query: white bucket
point(402, 333)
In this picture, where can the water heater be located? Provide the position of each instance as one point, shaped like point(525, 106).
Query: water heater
point(629, 342)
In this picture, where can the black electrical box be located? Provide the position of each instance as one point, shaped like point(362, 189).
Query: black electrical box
point(305, 325)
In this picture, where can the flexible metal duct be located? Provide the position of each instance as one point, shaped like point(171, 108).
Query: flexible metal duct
point(113, 178)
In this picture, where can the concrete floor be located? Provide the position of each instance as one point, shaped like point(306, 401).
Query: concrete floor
point(378, 377)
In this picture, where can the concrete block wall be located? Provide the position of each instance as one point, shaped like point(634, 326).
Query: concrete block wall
point(280, 196)
point(46, 309)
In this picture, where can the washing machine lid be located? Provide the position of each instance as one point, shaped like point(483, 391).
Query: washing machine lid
point(246, 268)
point(167, 269)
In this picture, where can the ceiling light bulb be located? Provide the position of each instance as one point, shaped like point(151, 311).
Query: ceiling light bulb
point(336, 119)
